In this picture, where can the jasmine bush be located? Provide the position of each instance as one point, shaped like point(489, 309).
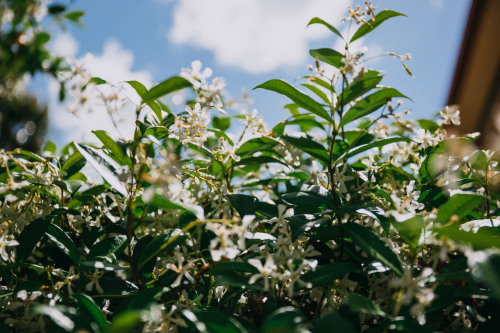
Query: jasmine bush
point(346, 216)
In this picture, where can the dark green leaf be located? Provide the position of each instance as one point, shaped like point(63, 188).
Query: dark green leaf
point(30, 236)
point(213, 321)
point(317, 20)
point(244, 204)
point(374, 246)
point(93, 312)
point(159, 244)
point(116, 149)
point(73, 164)
point(360, 304)
point(103, 165)
point(170, 85)
point(56, 9)
point(379, 19)
point(328, 273)
point(488, 272)
point(284, 320)
point(109, 245)
point(231, 267)
point(62, 241)
point(298, 97)
point(333, 321)
point(144, 299)
point(309, 146)
point(370, 104)
point(328, 56)
point(258, 160)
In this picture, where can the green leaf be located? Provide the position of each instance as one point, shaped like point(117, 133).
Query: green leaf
point(311, 196)
point(410, 230)
point(309, 146)
point(328, 273)
point(460, 205)
point(333, 321)
point(302, 223)
point(244, 204)
point(109, 245)
point(213, 321)
point(298, 97)
point(484, 238)
point(159, 244)
point(221, 134)
point(320, 93)
point(379, 19)
point(374, 246)
point(69, 185)
point(73, 164)
point(370, 104)
point(370, 79)
point(75, 16)
point(284, 320)
point(360, 304)
point(50, 147)
point(30, 236)
point(93, 312)
point(255, 145)
point(144, 299)
point(159, 201)
point(116, 149)
point(317, 20)
point(170, 85)
point(62, 241)
point(103, 165)
point(374, 144)
point(221, 123)
point(124, 322)
point(138, 87)
point(328, 56)
point(258, 160)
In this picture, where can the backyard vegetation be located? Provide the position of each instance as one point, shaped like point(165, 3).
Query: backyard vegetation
point(347, 216)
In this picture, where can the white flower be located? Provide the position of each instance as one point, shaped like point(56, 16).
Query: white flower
point(280, 220)
point(195, 75)
point(450, 115)
point(425, 138)
point(266, 271)
point(182, 270)
point(341, 178)
point(4, 242)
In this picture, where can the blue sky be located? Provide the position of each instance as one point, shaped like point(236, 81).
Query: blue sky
point(249, 42)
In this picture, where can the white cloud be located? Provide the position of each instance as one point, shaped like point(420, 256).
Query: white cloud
point(255, 35)
point(64, 45)
point(113, 65)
